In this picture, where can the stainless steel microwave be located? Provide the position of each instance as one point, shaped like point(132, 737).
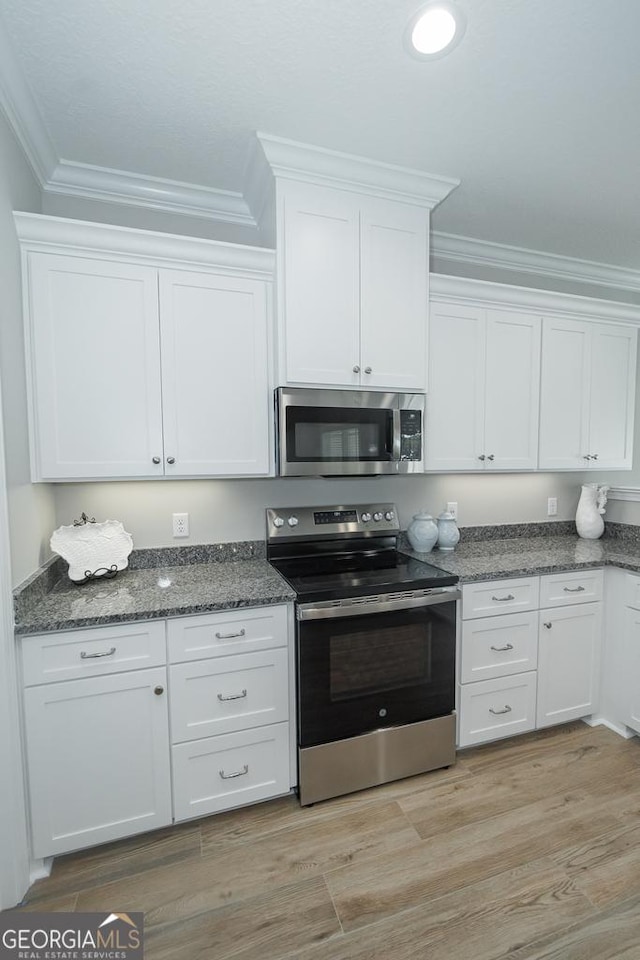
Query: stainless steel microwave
point(334, 433)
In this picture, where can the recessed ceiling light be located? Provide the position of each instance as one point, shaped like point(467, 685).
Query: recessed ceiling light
point(434, 30)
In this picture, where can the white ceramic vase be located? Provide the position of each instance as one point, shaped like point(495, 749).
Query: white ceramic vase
point(591, 507)
point(422, 532)
point(448, 533)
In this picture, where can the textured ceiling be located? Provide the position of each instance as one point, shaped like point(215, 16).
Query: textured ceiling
point(536, 111)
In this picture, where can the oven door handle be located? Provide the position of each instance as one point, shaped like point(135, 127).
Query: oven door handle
point(382, 604)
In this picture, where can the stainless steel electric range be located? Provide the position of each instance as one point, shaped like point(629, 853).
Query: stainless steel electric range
point(375, 648)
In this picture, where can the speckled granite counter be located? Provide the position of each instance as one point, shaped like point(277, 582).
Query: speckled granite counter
point(137, 594)
point(530, 556)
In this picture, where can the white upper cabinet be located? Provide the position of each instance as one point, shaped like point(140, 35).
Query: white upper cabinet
point(353, 262)
point(587, 395)
point(482, 404)
point(140, 370)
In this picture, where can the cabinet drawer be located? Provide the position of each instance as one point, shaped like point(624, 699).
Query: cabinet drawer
point(558, 590)
point(499, 596)
point(224, 634)
point(499, 646)
point(228, 694)
point(497, 708)
point(229, 771)
point(91, 653)
point(632, 591)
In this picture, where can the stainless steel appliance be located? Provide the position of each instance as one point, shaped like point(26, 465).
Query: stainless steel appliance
point(375, 648)
point(348, 432)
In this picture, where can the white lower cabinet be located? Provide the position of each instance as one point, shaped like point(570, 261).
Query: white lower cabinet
point(536, 660)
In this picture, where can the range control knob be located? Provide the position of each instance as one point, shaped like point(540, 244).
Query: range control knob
point(365, 517)
point(389, 515)
point(293, 521)
point(377, 516)
point(278, 522)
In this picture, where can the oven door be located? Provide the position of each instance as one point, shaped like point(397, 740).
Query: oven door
point(380, 667)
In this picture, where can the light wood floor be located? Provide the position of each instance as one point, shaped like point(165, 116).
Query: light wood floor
point(528, 849)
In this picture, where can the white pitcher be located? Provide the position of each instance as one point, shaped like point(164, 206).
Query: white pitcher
point(591, 507)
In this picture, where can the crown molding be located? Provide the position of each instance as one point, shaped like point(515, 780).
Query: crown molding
point(37, 232)
point(299, 161)
point(549, 302)
point(485, 253)
point(624, 493)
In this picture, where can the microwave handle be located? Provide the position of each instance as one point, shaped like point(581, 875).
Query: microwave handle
point(396, 450)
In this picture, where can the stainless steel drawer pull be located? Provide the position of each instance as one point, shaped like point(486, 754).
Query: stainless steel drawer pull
point(509, 596)
point(238, 773)
point(547, 624)
point(507, 709)
point(573, 589)
point(93, 656)
point(507, 646)
point(229, 636)
point(234, 696)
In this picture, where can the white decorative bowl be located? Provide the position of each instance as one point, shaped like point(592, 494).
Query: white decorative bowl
point(93, 549)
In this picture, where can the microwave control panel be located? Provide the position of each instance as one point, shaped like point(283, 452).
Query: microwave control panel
point(411, 435)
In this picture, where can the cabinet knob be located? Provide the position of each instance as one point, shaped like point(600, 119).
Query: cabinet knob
point(491, 456)
point(156, 459)
point(587, 456)
point(594, 456)
point(158, 691)
point(171, 459)
point(482, 457)
point(356, 369)
point(368, 370)
point(548, 624)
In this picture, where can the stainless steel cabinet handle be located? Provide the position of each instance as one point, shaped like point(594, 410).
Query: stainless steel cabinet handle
point(573, 589)
point(482, 457)
point(548, 625)
point(171, 459)
point(155, 459)
point(491, 456)
point(238, 773)
point(368, 370)
point(594, 456)
point(587, 456)
point(509, 596)
point(93, 656)
point(234, 696)
point(507, 646)
point(507, 709)
point(229, 636)
point(356, 369)
point(158, 691)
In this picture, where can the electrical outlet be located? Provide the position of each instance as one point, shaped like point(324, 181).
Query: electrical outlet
point(181, 524)
point(452, 508)
point(552, 507)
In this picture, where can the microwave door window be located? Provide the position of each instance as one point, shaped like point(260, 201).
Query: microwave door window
point(338, 436)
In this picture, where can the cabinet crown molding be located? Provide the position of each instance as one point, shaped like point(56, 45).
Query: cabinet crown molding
point(287, 159)
point(59, 235)
point(548, 302)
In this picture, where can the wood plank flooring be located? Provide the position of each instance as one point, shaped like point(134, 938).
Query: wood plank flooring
point(527, 849)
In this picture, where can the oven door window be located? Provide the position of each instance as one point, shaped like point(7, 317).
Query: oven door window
point(336, 435)
point(358, 674)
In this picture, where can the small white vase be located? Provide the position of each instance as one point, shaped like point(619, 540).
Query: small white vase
point(422, 532)
point(448, 533)
point(591, 507)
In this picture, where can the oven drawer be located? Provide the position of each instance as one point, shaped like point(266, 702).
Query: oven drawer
point(489, 598)
point(227, 633)
point(497, 708)
point(230, 771)
point(227, 694)
point(559, 590)
point(499, 646)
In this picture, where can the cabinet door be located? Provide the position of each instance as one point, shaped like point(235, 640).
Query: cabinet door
point(97, 759)
point(512, 391)
point(394, 261)
point(454, 437)
point(613, 381)
point(630, 713)
point(94, 362)
point(319, 290)
point(564, 395)
point(215, 374)
point(568, 663)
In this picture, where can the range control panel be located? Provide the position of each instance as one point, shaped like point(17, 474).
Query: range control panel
point(331, 521)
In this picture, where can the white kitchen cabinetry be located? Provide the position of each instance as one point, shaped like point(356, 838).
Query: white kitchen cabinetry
point(353, 260)
point(147, 355)
point(587, 400)
point(522, 667)
point(230, 699)
point(97, 746)
point(482, 405)
point(621, 662)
